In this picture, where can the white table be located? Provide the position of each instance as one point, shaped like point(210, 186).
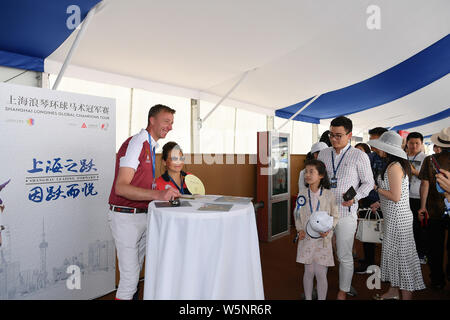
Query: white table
point(196, 255)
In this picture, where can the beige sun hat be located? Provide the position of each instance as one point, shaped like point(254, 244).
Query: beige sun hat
point(442, 139)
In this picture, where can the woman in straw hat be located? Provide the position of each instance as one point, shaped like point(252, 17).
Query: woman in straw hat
point(399, 260)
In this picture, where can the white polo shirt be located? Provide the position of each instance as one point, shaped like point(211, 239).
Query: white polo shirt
point(414, 185)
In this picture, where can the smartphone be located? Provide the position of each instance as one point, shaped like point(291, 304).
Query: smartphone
point(436, 168)
point(350, 194)
point(435, 165)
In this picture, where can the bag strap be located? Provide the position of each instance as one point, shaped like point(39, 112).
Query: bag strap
point(367, 217)
point(377, 215)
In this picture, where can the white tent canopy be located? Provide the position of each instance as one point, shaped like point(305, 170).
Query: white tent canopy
point(294, 49)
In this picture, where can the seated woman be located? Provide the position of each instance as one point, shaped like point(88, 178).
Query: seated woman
point(173, 161)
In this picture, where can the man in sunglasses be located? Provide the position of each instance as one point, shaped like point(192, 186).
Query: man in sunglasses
point(347, 167)
point(133, 188)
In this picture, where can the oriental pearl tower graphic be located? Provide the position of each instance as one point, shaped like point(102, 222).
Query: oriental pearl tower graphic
point(2, 207)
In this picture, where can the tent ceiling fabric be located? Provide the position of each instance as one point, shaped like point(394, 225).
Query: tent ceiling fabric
point(298, 48)
point(420, 104)
point(423, 68)
point(430, 119)
point(35, 29)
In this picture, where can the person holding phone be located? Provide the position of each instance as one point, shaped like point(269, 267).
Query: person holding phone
point(346, 167)
point(433, 208)
point(443, 178)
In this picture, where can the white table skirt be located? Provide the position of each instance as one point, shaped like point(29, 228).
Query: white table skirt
point(195, 255)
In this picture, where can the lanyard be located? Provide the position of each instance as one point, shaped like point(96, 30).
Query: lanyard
point(153, 155)
point(182, 184)
point(411, 161)
point(335, 170)
point(318, 201)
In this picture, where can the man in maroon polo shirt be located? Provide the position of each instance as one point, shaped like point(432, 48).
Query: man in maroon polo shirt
point(133, 188)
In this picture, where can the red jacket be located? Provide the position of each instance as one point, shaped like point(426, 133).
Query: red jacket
point(165, 180)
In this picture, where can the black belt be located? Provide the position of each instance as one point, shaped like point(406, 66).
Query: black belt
point(127, 209)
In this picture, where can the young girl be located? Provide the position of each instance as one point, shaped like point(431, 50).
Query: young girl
point(315, 254)
point(173, 161)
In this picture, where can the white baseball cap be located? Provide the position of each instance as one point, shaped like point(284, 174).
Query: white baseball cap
point(319, 222)
point(318, 146)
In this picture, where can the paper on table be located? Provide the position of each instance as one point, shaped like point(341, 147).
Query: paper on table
point(191, 196)
point(215, 207)
point(167, 204)
point(242, 200)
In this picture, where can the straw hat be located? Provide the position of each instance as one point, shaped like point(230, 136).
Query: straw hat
point(442, 139)
point(389, 142)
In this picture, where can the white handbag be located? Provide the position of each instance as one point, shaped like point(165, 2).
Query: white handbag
point(370, 230)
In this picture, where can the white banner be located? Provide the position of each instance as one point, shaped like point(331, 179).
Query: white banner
point(57, 167)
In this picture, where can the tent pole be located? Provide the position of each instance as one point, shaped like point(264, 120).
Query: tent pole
point(195, 133)
point(315, 133)
point(224, 97)
point(300, 110)
point(86, 21)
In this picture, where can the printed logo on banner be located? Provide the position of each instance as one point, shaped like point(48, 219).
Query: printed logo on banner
point(2, 204)
point(57, 172)
point(55, 242)
point(17, 121)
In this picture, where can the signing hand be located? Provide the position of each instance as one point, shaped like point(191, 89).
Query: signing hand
point(168, 194)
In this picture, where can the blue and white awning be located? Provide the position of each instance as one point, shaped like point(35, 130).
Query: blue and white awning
point(32, 30)
point(292, 51)
point(415, 73)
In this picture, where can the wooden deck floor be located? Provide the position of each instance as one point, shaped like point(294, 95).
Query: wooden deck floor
point(282, 275)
